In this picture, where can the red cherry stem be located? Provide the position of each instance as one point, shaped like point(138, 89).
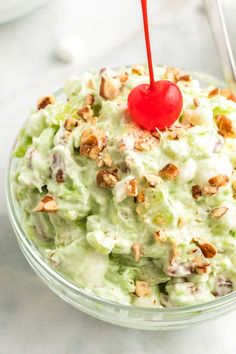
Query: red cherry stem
point(147, 40)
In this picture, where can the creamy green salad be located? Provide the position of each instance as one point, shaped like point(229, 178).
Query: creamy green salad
point(141, 218)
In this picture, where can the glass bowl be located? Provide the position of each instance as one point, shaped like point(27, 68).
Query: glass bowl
point(110, 311)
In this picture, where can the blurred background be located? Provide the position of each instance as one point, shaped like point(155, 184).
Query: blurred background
point(38, 51)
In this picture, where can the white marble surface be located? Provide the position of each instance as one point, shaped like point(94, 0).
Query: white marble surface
point(32, 319)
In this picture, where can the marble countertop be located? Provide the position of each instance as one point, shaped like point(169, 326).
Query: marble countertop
point(33, 320)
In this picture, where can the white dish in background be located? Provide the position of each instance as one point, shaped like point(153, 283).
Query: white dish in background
point(12, 9)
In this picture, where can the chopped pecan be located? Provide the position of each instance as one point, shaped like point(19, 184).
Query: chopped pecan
point(71, 123)
point(219, 180)
point(107, 161)
point(159, 236)
point(109, 87)
point(137, 70)
point(60, 177)
point(202, 268)
point(227, 93)
point(181, 222)
point(196, 191)
point(124, 76)
point(214, 92)
point(85, 112)
point(210, 190)
point(174, 135)
point(136, 248)
point(107, 178)
point(142, 146)
point(207, 248)
point(89, 100)
point(156, 134)
point(172, 74)
point(90, 84)
point(46, 205)
point(196, 102)
point(219, 212)
point(92, 143)
point(132, 188)
point(170, 171)
point(152, 179)
point(45, 101)
point(104, 161)
point(142, 288)
point(225, 127)
point(185, 77)
point(140, 198)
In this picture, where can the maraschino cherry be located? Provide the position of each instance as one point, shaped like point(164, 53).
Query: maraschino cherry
point(158, 104)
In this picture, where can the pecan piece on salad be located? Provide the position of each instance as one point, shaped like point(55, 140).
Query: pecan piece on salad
point(181, 222)
point(142, 145)
point(185, 77)
point(170, 171)
point(142, 288)
point(85, 112)
point(89, 101)
point(156, 135)
point(60, 176)
point(107, 178)
point(92, 143)
point(45, 101)
point(214, 92)
point(207, 248)
point(140, 198)
point(196, 191)
point(46, 205)
point(172, 74)
point(225, 126)
point(136, 249)
point(196, 101)
point(152, 179)
point(107, 160)
point(109, 87)
point(123, 76)
point(71, 123)
point(202, 268)
point(217, 213)
point(210, 190)
point(138, 69)
point(132, 188)
point(227, 93)
point(219, 180)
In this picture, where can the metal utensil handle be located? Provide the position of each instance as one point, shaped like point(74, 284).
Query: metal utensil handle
point(220, 33)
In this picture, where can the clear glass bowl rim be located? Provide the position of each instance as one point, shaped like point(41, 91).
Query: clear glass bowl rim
point(22, 238)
